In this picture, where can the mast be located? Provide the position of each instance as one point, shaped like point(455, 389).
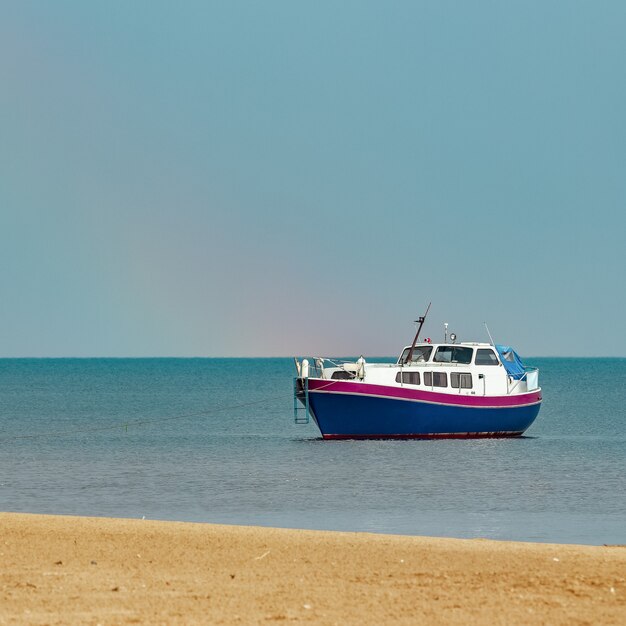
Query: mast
point(490, 337)
point(421, 321)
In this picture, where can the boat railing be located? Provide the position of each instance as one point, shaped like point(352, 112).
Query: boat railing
point(530, 375)
point(431, 364)
point(318, 364)
point(532, 378)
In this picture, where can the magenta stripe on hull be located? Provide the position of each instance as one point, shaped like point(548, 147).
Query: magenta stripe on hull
point(404, 393)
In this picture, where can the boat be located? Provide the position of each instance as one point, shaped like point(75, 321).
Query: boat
point(452, 390)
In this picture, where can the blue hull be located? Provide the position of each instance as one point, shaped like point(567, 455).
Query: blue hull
point(342, 416)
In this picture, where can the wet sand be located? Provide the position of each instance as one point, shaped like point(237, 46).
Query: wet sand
point(71, 570)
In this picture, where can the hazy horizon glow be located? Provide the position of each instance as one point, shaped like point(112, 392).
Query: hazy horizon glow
point(242, 179)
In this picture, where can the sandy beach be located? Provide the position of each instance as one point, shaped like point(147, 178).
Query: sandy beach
point(71, 570)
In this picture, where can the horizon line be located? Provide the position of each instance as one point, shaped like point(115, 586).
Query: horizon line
point(302, 355)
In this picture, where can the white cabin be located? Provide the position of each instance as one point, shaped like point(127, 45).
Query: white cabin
point(455, 368)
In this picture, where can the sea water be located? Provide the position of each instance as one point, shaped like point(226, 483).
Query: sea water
point(213, 440)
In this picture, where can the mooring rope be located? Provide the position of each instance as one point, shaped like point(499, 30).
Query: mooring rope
point(139, 422)
point(146, 421)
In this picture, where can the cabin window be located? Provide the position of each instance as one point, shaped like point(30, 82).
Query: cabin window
point(485, 356)
point(453, 354)
point(460, 381)
point(408, 378)
point(435, 379)
point(420, 354)
point(342, 375)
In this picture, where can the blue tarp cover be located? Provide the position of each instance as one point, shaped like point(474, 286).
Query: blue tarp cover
point(511, 361)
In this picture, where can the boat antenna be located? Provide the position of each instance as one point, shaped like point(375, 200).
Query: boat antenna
point(490, 337)
point(420, 321)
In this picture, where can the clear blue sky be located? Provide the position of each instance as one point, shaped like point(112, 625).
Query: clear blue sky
point(278, 178)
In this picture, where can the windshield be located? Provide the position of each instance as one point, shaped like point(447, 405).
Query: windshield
point(420, 354)
point(454, 354)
